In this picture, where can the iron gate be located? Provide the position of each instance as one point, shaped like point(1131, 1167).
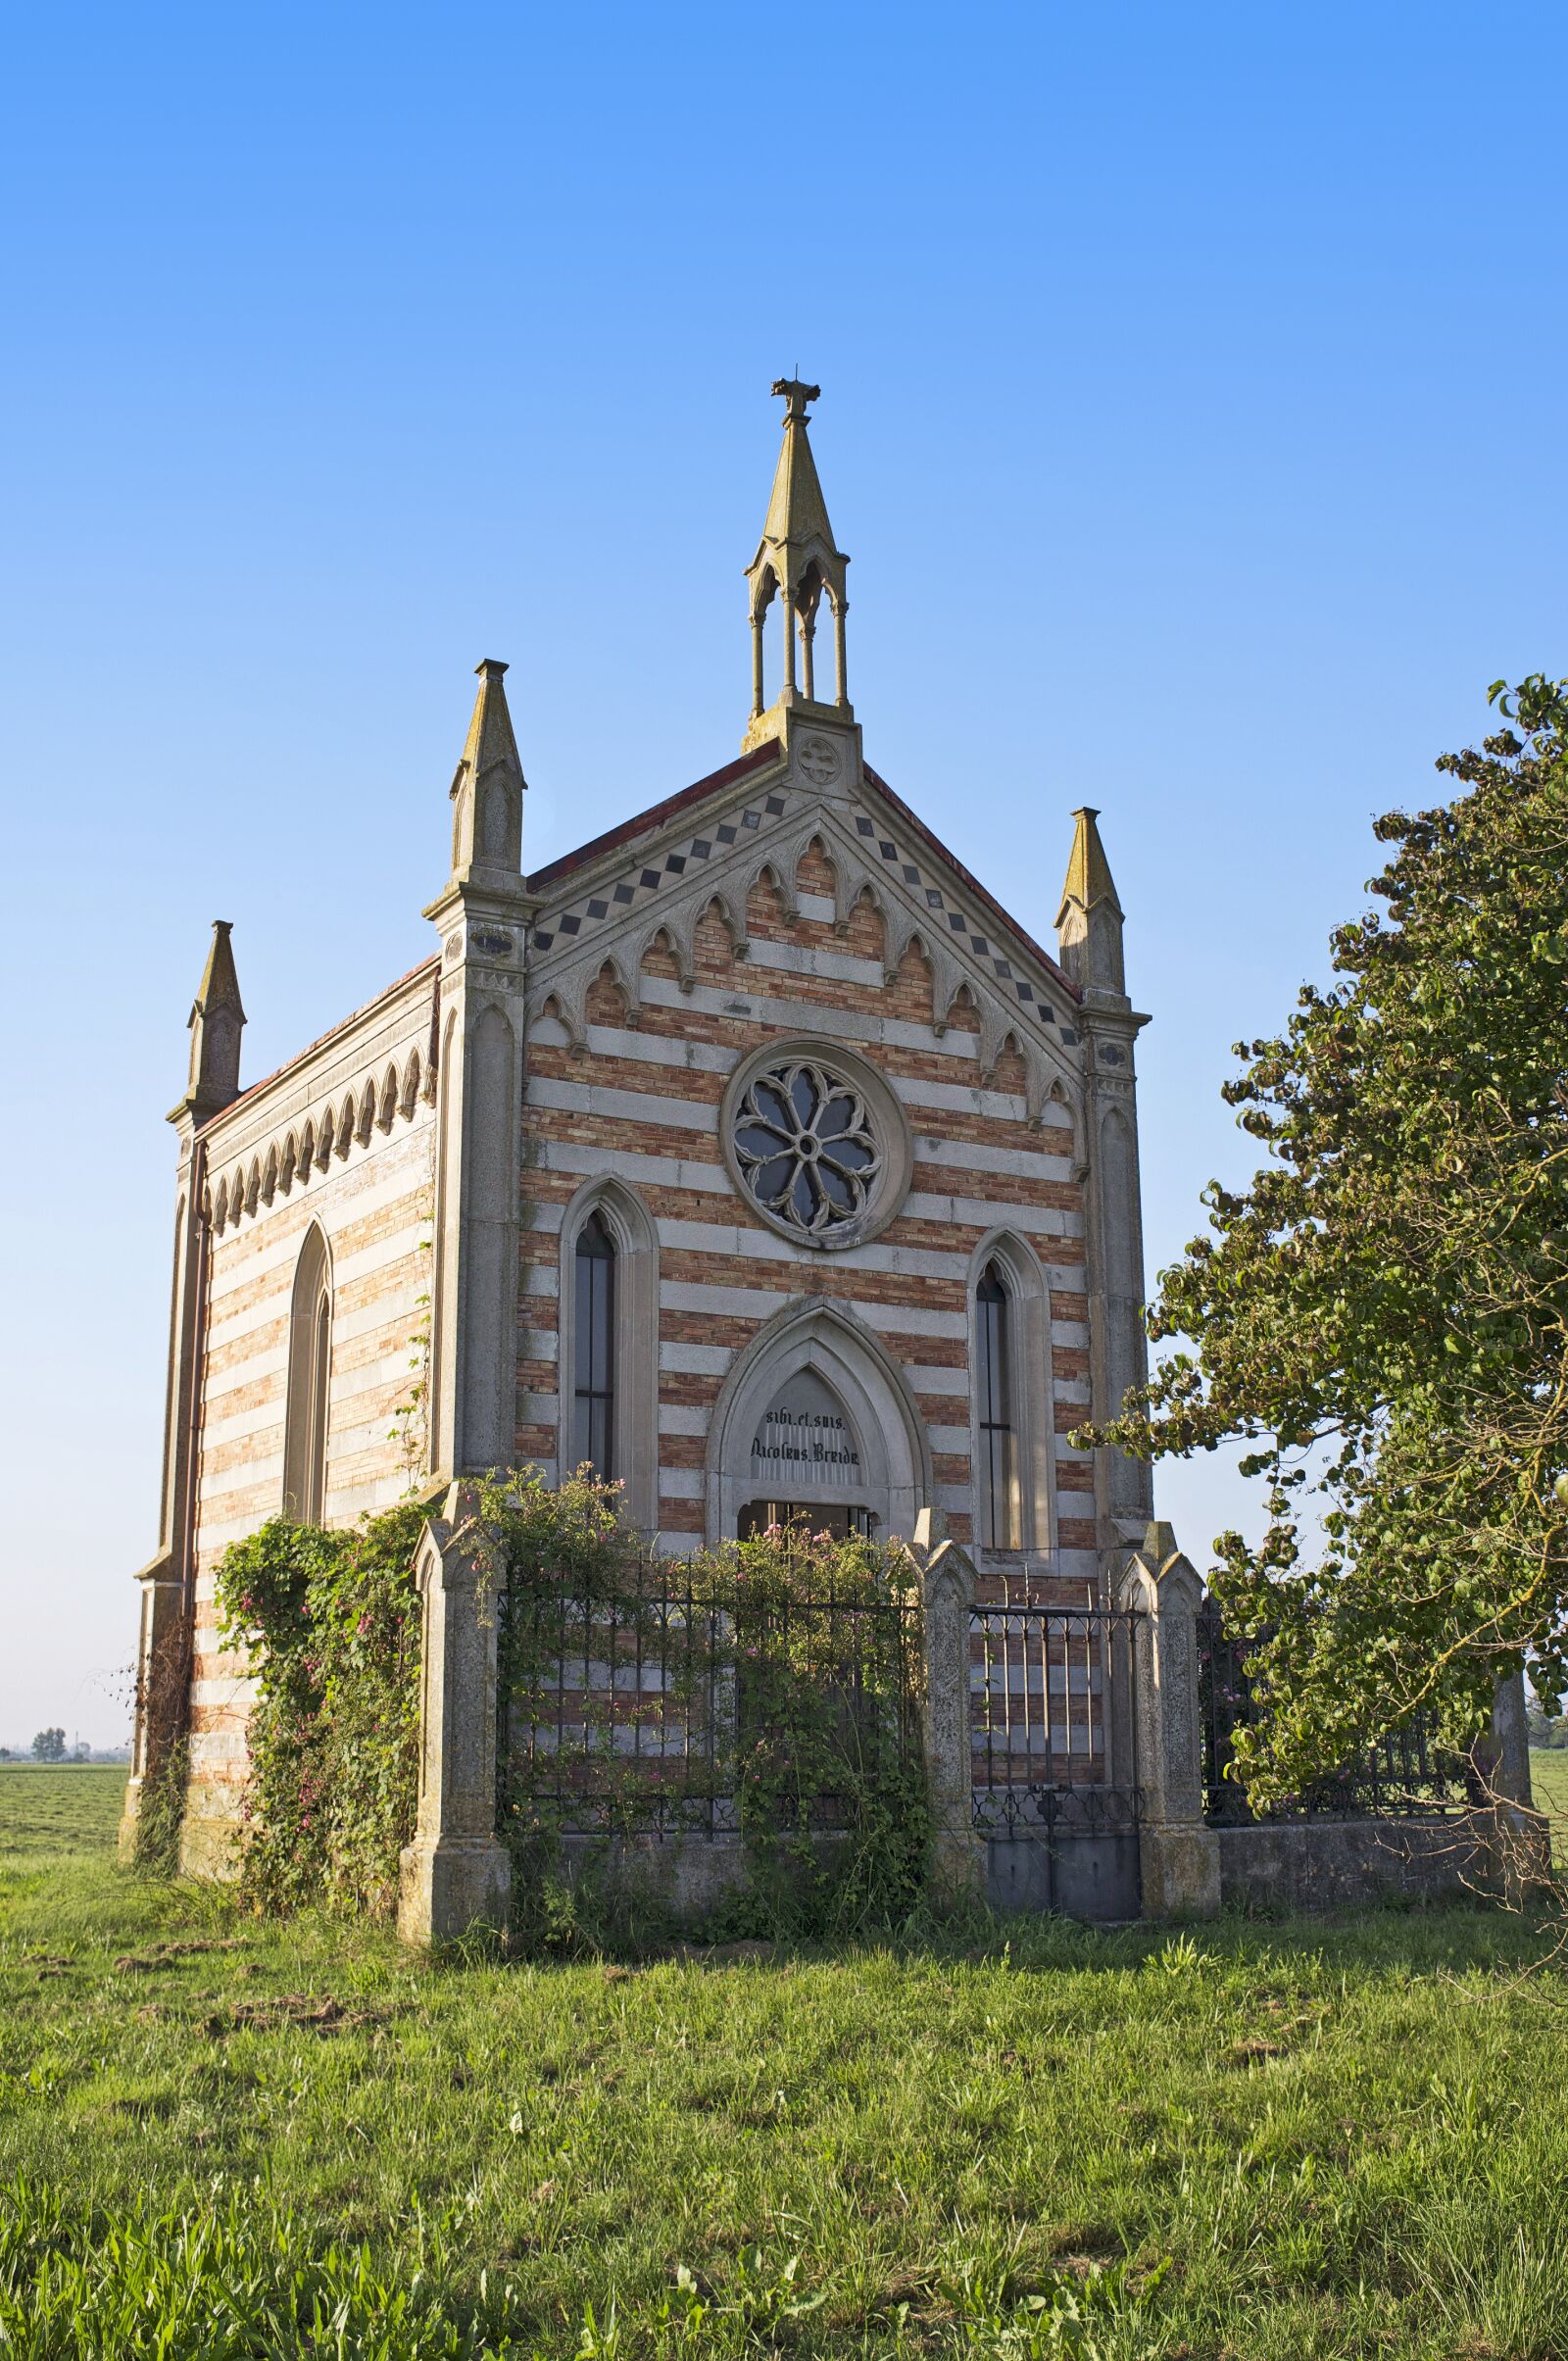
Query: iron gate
point(1055, 1747)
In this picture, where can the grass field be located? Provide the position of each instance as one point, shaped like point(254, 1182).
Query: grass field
point(1267, 2141)
point(1549, 1777)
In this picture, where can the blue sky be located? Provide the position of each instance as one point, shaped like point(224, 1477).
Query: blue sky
point(1192, 413)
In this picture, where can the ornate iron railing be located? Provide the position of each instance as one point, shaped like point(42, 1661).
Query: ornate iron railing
point(654, 1708)
point(1404, 1772)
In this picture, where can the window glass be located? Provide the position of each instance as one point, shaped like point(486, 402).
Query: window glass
point(309, 1384)
point(807, 1148)
point(594, 1339)
point(322, 1361)
point(992, 1349)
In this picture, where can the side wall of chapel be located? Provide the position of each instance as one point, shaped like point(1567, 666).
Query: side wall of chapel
point(341, 1140)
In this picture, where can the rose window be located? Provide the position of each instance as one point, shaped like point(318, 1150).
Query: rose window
point(806, 1148)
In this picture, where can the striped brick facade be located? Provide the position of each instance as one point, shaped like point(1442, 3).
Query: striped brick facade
point(575, 1044)
point(341, 1140)
point(638, 1096)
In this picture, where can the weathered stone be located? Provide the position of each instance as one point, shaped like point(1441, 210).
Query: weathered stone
point(456, 1873)
point(1179, 1853)
point(1519, 1848)
point(1315, 1865)
point(947, 1594)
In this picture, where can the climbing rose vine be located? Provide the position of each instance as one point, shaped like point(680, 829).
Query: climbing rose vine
point(813, 1642)
point(331, 1623)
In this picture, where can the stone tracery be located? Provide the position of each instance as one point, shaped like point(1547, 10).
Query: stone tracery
point(806, 1146)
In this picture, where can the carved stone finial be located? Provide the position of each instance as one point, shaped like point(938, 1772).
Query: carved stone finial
point(930, 1528)
point(797, 396)
point(1089, 923)
point(487, 790)
point(217, 1021)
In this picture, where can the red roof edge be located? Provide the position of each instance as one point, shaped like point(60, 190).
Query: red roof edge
point(912, 820)
point(426, 967)
point(759, 759)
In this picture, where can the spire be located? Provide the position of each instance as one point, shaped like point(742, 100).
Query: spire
point(1089, 923)
point(797, 513)
point(217, 1021)
point(797, 559)
point(487, 791)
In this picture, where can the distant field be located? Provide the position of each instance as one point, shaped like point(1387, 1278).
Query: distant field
point(1549, 1779)
point(48, 1810)
point(1247, 2142)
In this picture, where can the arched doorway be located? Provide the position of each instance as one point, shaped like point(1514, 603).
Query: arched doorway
point(806, 1463)
point(816, 1417)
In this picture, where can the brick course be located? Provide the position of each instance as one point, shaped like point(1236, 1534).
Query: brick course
point(622, 1057)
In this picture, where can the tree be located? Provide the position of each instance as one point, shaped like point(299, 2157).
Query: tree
point(1383, 1313)
point(49, 1745)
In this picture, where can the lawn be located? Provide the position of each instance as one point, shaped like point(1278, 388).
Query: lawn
point(1268, 2142)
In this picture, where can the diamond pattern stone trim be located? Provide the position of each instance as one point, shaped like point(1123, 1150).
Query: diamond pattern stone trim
point(960, 925)
point(649, 880)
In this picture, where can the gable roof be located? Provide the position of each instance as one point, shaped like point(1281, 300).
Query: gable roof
point(429, 967)
point(643, 823)
point(914, 821)
point(760, 758)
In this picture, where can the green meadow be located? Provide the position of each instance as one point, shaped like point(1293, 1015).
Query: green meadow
point(1549, 1777)
point(1232, 2142)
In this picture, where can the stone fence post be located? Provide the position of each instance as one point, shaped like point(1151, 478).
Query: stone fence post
point(163, 1687)
point(1518, 1836)
point(946, 1595)
point(1178, 1854)
point(457, 1873)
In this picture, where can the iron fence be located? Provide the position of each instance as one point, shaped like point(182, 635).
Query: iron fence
point(1052, 1730)
point(662, 1710)
point(1404, 1772)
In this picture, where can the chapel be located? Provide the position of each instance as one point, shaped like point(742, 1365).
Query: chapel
point(751, 1154)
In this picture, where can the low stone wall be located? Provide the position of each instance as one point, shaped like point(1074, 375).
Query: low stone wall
point(1307, 1866)
point(1335, 1864)
point(685, 1877)
point(681, 1882)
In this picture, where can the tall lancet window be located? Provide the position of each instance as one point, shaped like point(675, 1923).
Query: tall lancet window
point(309, 1377)
point(594, 1368)
point(993, 1345)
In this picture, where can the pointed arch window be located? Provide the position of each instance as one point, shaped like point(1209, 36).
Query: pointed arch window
point(606, 1404)
point(594, 1367)
point(309, 1379)
point(994, 1347)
